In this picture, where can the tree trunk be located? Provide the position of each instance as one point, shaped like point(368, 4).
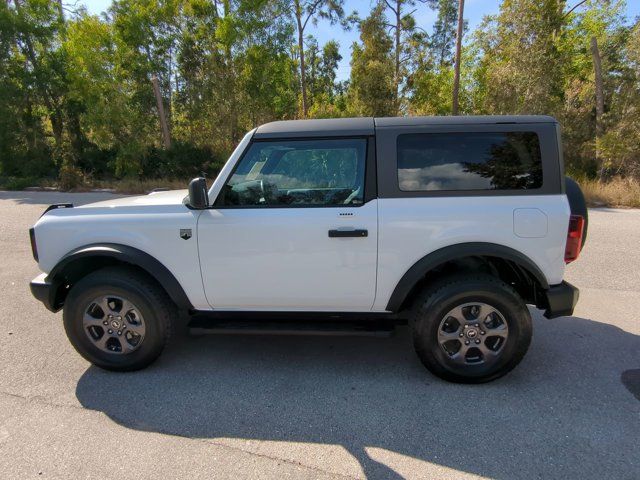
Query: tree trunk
point(597, 66)
point(75, 131)
point(57, 126)
point(230, 80)
point(456, 74)
point(303, 73)
point(163, 119)
point(397, 71)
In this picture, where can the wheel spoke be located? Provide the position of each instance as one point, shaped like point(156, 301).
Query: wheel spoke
point(127, 306)
point(487, 354)
point(103, 303)
point(499, 331)
point(102, 342)
point(484, 311)
point(88, 320)
point(136, 328)
point(125, 345)
point(458, 315)
point(444, 337)
point(461, 355)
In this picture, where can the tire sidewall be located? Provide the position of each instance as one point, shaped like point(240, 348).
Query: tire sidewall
point(432, 311)
point(78, 301)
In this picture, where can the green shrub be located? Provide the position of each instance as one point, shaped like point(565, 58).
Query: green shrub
point(70, 177)
point(182, 160)
point(18, 183)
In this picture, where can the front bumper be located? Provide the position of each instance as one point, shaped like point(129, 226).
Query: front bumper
point(42, 290)
point(561, 300)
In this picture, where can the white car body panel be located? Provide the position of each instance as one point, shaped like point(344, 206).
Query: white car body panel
point(150, 223)
point(168, 197)
point(411, 228)
point(283, 259)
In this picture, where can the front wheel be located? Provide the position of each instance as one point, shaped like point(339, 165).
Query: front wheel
point(470, 329)
point(118, 319)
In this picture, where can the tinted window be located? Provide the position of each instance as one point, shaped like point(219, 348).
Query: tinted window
point(299, 173)
point(469, 161)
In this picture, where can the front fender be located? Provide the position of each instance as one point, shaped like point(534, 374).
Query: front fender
point(80, 261)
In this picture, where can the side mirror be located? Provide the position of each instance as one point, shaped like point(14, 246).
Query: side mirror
point(198, 195)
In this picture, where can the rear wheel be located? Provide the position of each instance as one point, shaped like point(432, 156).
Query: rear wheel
point(470, 329)
point(118, 319)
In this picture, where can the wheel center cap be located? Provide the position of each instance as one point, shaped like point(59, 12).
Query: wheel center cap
point(472, 333)
point(115, 324)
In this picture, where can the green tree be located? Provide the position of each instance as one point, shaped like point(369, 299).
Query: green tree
point(602, 20)
point(407, 38)
point(430, 80)
point(523, 59)
point(305, 11)
point(77, 98)
point(442, 40)
point(321, 70)
point(371, 89)
point(619, 145)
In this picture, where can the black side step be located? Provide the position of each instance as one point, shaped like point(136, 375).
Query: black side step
point(202, 325)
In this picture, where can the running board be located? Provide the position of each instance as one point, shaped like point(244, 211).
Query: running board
point(368, 328)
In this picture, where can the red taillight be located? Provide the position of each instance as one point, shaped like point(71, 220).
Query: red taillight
point(574, 238)
point(34, 247)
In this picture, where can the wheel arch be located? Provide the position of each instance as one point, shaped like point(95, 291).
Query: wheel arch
point(503, 260)
point(81, 261)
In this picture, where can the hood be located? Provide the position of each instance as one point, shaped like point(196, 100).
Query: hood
point(169, 197)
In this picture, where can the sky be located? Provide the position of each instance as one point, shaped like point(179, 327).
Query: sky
point(474, 11)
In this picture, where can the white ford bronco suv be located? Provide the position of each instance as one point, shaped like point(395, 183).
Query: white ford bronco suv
point(450, 224)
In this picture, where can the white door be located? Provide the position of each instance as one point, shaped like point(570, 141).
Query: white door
point(291, 230)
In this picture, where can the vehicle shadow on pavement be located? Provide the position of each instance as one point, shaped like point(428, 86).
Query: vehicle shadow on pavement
point(562, 412)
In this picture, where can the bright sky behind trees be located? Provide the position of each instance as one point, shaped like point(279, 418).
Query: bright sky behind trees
point(474, 10)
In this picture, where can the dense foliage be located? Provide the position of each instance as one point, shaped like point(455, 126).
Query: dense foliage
point(77, 99)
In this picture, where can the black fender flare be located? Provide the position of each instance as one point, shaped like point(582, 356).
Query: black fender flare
point(128, 255)
point(453, 252)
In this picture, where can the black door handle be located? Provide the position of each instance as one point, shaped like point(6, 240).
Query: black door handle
point(348, 233)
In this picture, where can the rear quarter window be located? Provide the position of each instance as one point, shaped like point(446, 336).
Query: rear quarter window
point(469, 161)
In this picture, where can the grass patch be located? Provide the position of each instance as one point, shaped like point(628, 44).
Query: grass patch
point(617, 192)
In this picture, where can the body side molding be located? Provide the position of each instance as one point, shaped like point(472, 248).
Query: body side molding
point(419, 269)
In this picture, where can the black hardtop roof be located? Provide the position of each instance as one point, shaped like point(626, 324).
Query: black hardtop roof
point(366, 125)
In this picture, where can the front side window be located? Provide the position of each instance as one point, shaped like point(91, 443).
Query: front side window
point(469, 161)
point(298, 173)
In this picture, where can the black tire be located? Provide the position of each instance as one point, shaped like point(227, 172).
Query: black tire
point(153, 303)
point(434, 304)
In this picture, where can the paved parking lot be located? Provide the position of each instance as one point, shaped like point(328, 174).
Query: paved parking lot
point(316, 407)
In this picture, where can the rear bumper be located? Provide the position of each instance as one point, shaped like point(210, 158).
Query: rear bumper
point(561, 300)
point(42, 290)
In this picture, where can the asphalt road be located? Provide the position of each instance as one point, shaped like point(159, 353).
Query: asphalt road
point(316, 407)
